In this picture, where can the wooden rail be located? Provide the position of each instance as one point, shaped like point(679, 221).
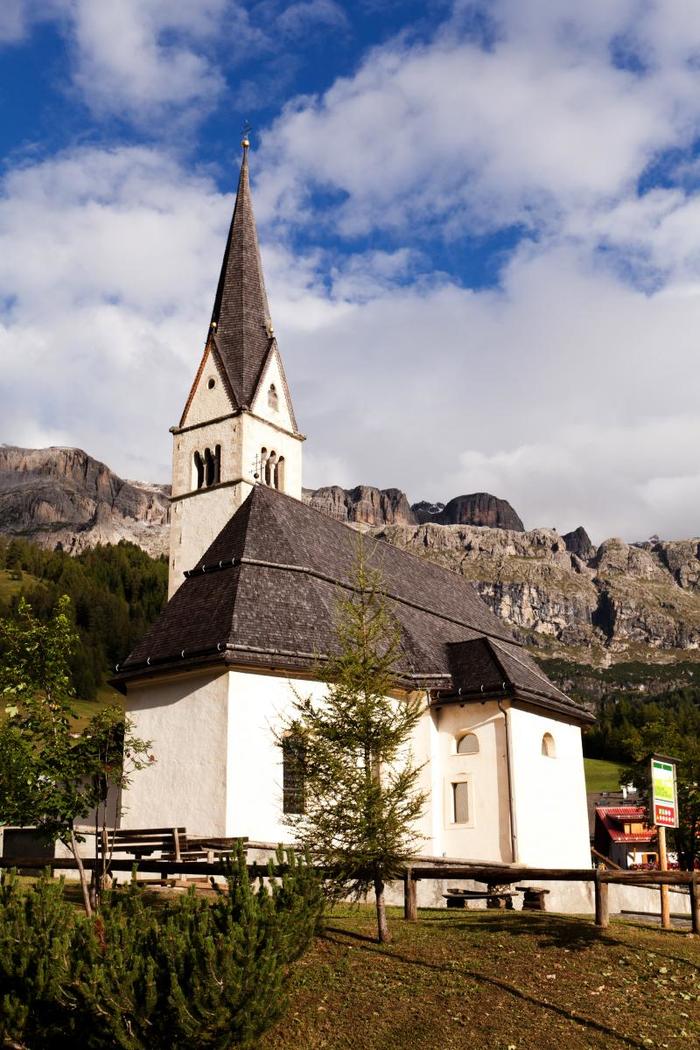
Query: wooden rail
point(601, 880)
point(497, 875)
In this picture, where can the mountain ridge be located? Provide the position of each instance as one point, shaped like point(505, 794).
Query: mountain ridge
point(566, 597)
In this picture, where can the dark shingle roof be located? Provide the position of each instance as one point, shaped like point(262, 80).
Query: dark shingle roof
point(265, 594)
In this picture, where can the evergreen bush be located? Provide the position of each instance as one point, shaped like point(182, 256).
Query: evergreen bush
point(144, 974)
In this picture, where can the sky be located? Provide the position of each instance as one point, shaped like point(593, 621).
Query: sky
point(480, 228)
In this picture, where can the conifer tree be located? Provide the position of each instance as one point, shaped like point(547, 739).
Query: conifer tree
point(352, 749)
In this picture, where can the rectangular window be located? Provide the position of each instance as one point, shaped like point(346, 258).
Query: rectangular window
point(460, 802)
point(292, 776)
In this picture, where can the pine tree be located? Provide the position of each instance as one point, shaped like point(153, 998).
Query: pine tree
point(360, 794)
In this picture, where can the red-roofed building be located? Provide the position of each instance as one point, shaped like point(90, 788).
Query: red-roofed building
point(623, 834)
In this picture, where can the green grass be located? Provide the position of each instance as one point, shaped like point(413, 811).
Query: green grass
point(602, 775)
point(12, 581)
point(492, 981)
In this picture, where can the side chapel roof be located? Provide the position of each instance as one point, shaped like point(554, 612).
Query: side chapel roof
point(240, 333)
point(265, 595)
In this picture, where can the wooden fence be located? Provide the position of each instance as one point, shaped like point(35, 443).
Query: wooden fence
point(491, 875)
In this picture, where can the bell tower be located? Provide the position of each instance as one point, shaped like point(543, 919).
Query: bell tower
point(238, 427)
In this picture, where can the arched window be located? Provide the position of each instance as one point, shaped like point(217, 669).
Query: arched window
point(548, 747)
point(293, 774)
point(468, 744)
point(209, 467)
point(272, 398)
point(217, 464)
point(279, 474)
point(198, 464)
point(270, 469)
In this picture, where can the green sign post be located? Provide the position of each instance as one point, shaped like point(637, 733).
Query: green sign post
point(664, 814)
point(664, 795)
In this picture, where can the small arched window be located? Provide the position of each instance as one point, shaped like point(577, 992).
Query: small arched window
point(270, 465)
point(548, 748)
point(468, 744)
point(198, 464)
point(209, 467)
point(272, 398)
point(279, 474)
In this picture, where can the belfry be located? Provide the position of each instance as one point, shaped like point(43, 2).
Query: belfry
point(238, 425)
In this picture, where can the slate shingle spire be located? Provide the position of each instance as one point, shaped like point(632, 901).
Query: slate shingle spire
point(241, 328)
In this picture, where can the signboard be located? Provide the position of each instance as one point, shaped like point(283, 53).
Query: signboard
point(664, 797)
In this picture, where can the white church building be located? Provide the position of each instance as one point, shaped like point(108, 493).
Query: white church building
point(254, 579)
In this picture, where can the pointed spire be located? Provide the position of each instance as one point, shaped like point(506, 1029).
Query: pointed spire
point(241, 327)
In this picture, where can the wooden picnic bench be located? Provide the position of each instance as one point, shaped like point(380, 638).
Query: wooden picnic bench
point(170, 843)
point(457, 898)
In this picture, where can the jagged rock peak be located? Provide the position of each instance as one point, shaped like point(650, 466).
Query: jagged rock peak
point(364, 504)
point(579, 542)
point(477, 508)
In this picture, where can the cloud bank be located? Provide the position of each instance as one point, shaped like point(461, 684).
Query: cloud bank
point(568, 386)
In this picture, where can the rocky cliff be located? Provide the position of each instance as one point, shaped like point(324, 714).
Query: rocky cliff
point(569, 599)
point(619, 601)
point(371, 506)
point(63, 496)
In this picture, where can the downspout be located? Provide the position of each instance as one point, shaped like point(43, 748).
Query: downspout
point(509, 767)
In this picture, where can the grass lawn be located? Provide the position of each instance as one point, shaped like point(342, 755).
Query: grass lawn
point(602, 775)
point(12, 581)
point(492, 980)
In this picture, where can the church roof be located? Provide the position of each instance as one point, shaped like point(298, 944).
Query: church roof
point(265, 595)
point(240, 333)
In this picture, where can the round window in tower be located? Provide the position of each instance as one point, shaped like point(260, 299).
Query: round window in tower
point(212, 383)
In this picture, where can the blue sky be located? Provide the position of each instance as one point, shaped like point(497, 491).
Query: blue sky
point(480, 225)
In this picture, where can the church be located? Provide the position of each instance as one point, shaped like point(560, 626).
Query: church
point(254, 577)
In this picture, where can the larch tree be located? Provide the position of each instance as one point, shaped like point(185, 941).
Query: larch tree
point(356, 785)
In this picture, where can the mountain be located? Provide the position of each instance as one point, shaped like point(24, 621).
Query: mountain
point(570, 600)
point(371, 506)
point(62, 496)
point(618, 601)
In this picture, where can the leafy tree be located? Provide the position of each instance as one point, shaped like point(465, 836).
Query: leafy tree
point(51, 776)
point(667, 738)
point(359, 785)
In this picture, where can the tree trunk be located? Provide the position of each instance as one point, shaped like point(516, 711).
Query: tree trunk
point(383, 935)
point(75, 850)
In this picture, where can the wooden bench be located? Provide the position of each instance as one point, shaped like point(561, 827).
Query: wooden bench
point(533, 899)
point(457, 898)
point(170, 843)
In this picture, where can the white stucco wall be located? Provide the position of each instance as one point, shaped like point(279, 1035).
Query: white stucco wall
point(549, 793)
point(486, 836)
point(219, 770)
point(186, 721)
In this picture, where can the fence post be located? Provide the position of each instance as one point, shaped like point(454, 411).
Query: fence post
point(602, 911)
point(410, 896)
point(694, 889)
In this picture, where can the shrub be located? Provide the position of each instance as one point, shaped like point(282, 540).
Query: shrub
point(182, 972)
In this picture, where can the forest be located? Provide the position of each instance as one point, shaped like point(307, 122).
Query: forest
point(116, 592)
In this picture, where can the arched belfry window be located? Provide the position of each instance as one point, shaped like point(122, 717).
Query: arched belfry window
point(279, 474)
point(468, 744)
point(209, 467)
point(198, 473)
point(548, 746)
point(273, 400)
